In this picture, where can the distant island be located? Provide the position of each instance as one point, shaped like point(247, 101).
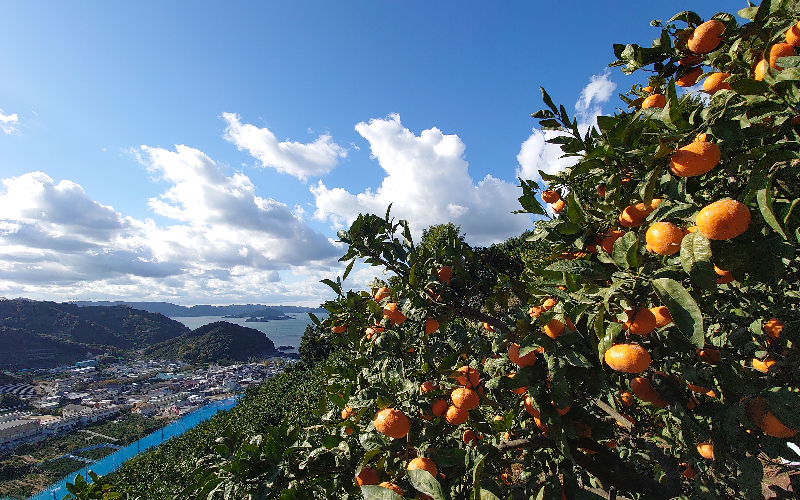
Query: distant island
point(262, 315)
point(231, 311)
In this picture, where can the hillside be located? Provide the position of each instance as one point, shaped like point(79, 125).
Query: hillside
point(220, 341)
point(177, 311)
point(37, 334)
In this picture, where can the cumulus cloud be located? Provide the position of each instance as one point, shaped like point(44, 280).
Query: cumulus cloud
point(9, 123)
point(536, 154)
point(224, 243)
point(300, 160)
point(427, 181)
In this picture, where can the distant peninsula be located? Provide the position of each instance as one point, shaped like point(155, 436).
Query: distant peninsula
point(231, 311)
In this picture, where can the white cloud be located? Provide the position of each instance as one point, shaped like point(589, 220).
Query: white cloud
point(9, 123)
point(226, 244)
point(536, 154)
point(427, 183)
point(300, 160)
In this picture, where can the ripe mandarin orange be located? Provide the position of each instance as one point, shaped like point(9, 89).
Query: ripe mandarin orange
point(347, 412)
point(439, 407)
point(762, 417)
point(554, 328)
point(715, 82)
point(427, 386)
point(635, 215)
point(762, 366)
point(706, 37)
point(339, 329)
point(628, 358)
point(706, 450)
point(662, 315)
point(535, 311)
point(641, 322)
point(431, 325)
point(467, 376)
point(654, 101)
point(368, 476)
point(664, 238)
point(608, 239)
point(393, 314)
point(723, 219)
point(793, 35)
point(549, 303)
point(773, 328)
point(526, 360)
point(709, 355)
point(558, 206)
point(644, 390)
point(469, 437)
point(690, 60)
point(422, 463)
point(779, 50)
point(760, 69)
point(695, 158)
point(456, 415)
point(464, 398)
point(382, 293)
point(445, 274)
point(550, 196)
point(724, 276)
point(647, 89)
point(392, 423)
point(689, 77)
point(626, 398)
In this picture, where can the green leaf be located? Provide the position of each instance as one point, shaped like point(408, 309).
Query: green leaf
point(379, 493)
point(576, 359)
point(528, 199)
point(747, 13)
point(792, 219)
point(746, 86)
point(547, 100)
point(349, 268)
point(424, 482)
point(612, 331)
point(696, 260)
point(750, 473)
point(488, 495)
point(550, 124)
point(574, 209)
point(626, 250)
point(784, 403)
point(585, 268)
point(764, 198)
point(335, 286)
point(542, 114)
point(684, 310)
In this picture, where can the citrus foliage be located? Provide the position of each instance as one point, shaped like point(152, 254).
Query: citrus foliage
point(717, 393)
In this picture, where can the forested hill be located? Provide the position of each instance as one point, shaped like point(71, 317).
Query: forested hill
point(176, 311)
point(220, 341)
point(46, 334)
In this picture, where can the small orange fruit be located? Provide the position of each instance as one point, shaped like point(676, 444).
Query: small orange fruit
point(393, 314)
point(644, 390)
point(392, 423)
point(467, 376)
point(760, 69)
point(762, 366)
point(626, 398)
point(427, 386)
point(526, 360)
point(706, 37)
point(662, 315)
point(710, 356)
point(607, 241)
point(688, 472)
point(723, 219)
point(368, 476)
point(664, 238)
point(347, 412)
point(382, 293)
point(690, 60)
point(488, 327)
point(628, 358)
point(550, 196)
point(554, 328)
point(793, 35)
point(761, 416)
point(701, 390)
point(431, 325)
point(339, 329)
point(549, 303)
point(647, 89)
point(779, 50)
point(706, 450)
point(373, 330)
point(601, 190)
point(558, 206)
point(439, 407)
point(642, 322)
point(635, 215)
point(392, 486)
point(654, 101)
point(724, 276)
point(689, 77)
point(469, 437)
point(715, 82)
point(464, 398)
point(535, 311)
point(456, 415)
point(695, 158)
point(422, 463)
point(445, 274)
point(773, 328)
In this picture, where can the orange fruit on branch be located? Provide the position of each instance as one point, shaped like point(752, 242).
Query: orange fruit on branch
point(662, 315)
point(779, 50)
point(445, 274)
point(628, 358)
point(762, 366)
point(793, 35)
point(391, 422)
point(422, 463)
point(773, 328)
point(715, 82)
point(427, 386)
point(464, 398)
point(550, 196)
point(347, 412)
point(634, 215)
point(761, 416)
point(642, 322)
point(368, 476)
point(706, 37)
point(339, 329)
point(626, 398)
point(393, 314)
point(456, 415)
point(654, 101)
point(689, 77)
point(709, 355)
point(706, 450)
point(469, 437)
point(382, 293)
point(695, 158)
point(558, 206)
point(760, 69)
point(664, 238)
point(392, 486)
point(554, 327)
point(467, 376)
point(439, 407)
point(644, 390)
point(723, 219)
point(608, 239)
point(526, 360)
point(724, 276)
point(431, 325)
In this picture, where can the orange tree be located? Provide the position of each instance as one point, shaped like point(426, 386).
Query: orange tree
point(648, 351)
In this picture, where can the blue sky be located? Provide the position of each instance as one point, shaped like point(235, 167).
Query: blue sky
point(205, 152)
